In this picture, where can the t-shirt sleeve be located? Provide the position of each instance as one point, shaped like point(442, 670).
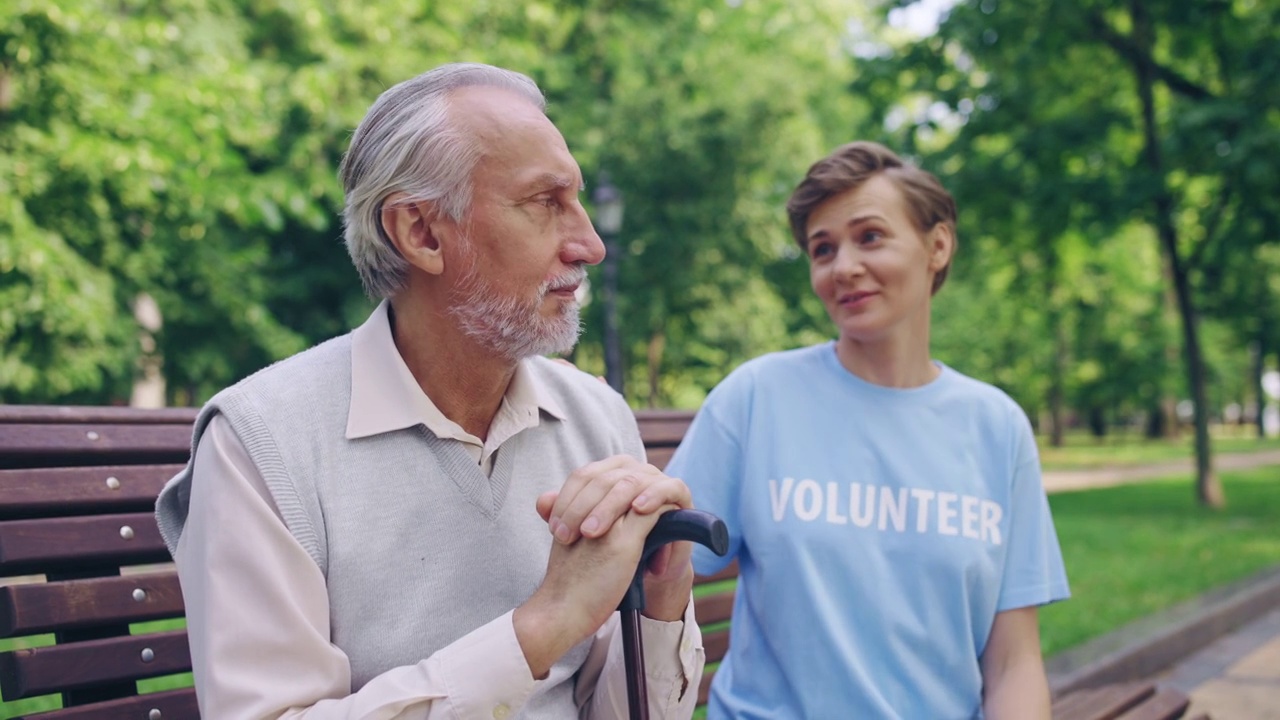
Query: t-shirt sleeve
point(1034, 573)
point(709, 460)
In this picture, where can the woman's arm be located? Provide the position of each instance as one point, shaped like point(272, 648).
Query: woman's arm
point(1013, 680)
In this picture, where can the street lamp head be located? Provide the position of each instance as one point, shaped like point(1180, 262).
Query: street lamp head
point(608, 202)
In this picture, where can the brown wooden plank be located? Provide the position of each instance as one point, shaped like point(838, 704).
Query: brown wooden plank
point(95, 414)
point(40, 671)
point(663, 430)
point(45, 607)
point(730, 571)
point(1167, 704)
point(707, 609)
point(170, 704)
point(41, 492)
point(715, 644)
point(54, 445)
point(1103, 703)
point(659, 456)
point(704, 687)
point(52, 543)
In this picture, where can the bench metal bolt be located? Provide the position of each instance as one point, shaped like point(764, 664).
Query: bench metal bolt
point(148, 654)
point(113, 483)
point(139, 594)
point(154, 714)
point(91, 435)
point(126, 532)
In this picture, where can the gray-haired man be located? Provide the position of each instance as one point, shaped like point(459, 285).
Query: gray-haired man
point(366, 529)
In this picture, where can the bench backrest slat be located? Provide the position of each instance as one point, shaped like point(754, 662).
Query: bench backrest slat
point(50, 445)
point(33, 608)
point(166, 705)
point(55, 668)
point(662, 428)
point(42, 492)
point(38, 546)
point(714, 608)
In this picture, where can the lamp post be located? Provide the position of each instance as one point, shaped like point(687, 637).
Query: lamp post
point(608, 202)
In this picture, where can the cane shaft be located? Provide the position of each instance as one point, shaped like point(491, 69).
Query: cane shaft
point(633, 659)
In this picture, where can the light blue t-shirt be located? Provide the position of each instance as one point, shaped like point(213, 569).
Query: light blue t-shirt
point(878, 532)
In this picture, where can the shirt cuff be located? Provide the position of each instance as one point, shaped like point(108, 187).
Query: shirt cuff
point(485, 671)
point(682, 636)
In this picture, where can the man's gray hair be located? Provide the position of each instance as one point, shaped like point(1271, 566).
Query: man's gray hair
point(407, 143)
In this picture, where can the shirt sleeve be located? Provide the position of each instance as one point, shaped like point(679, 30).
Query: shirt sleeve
point(258, 619)
point(674, 659)
point(709, 460)
point(1034, 573)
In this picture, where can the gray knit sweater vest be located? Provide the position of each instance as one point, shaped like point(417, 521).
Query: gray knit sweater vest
point(417, 545)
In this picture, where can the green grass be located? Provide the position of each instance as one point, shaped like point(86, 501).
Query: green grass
point(1082, 452)
point(1134, 550)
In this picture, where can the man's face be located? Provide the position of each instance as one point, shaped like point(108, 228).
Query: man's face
point(526, 239)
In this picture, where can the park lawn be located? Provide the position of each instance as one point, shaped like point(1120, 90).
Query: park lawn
point(1134, 550)
point(1082, 452)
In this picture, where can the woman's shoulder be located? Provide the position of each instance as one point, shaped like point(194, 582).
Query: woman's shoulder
point(988, 395)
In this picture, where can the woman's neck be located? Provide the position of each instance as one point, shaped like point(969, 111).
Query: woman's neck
point(900, 361)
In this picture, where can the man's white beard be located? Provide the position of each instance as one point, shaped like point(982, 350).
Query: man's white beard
point(510, 326)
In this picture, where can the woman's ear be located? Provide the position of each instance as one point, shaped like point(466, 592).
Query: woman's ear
point(941, 245)
point(411, 228)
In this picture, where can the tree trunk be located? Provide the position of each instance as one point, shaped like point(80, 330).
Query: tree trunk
point(1262, 348)
point(1058, 363)
point(148, 380)
point(657, 343)
point(1208, 489)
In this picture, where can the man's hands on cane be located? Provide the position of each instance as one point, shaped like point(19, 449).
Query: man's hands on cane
point(589, 571)
point(599, 494)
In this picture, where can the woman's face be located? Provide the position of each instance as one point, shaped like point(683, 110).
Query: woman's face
point(870, 265)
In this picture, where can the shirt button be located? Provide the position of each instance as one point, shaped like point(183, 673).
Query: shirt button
point(501, 712)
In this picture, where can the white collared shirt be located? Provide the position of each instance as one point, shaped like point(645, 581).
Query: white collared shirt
point(258, 616)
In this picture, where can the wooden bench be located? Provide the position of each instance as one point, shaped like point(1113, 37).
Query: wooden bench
point(83, 570)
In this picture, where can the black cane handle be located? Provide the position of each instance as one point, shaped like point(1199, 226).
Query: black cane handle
point(675, 525)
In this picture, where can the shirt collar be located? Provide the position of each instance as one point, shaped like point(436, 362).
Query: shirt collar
point(386, 397)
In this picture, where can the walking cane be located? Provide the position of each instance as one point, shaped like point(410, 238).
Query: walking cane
point(675, 525)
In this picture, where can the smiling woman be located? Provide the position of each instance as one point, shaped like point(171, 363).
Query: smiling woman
point(872, 491)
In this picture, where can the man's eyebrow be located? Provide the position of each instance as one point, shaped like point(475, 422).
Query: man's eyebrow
point(554, 181)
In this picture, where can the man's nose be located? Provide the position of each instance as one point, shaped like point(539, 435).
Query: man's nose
point(583, 243)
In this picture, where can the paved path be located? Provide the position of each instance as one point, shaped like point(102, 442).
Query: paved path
point(1062, 480)
point(1237, 676)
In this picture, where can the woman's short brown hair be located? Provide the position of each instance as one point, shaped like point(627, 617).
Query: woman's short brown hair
point(851, 165)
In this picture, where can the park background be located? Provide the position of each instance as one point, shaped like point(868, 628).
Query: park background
point(169, 214)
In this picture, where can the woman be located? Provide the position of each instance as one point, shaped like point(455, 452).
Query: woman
point(886, 512)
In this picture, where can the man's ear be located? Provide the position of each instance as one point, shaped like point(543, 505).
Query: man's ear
point(941, 244)
point(412, 229)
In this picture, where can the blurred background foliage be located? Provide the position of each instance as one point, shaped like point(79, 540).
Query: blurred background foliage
point(1115, 165)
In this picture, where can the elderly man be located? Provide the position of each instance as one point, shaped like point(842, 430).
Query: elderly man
point(425, 517)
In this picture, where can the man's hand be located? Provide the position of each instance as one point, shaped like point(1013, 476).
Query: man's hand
point(597, 495)
point(584, 584)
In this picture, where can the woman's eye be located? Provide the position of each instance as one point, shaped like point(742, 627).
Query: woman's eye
point(872, 236)
point(820, 250)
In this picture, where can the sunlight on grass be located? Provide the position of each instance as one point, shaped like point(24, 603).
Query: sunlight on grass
point(1135, 550)
point(1083, 452)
